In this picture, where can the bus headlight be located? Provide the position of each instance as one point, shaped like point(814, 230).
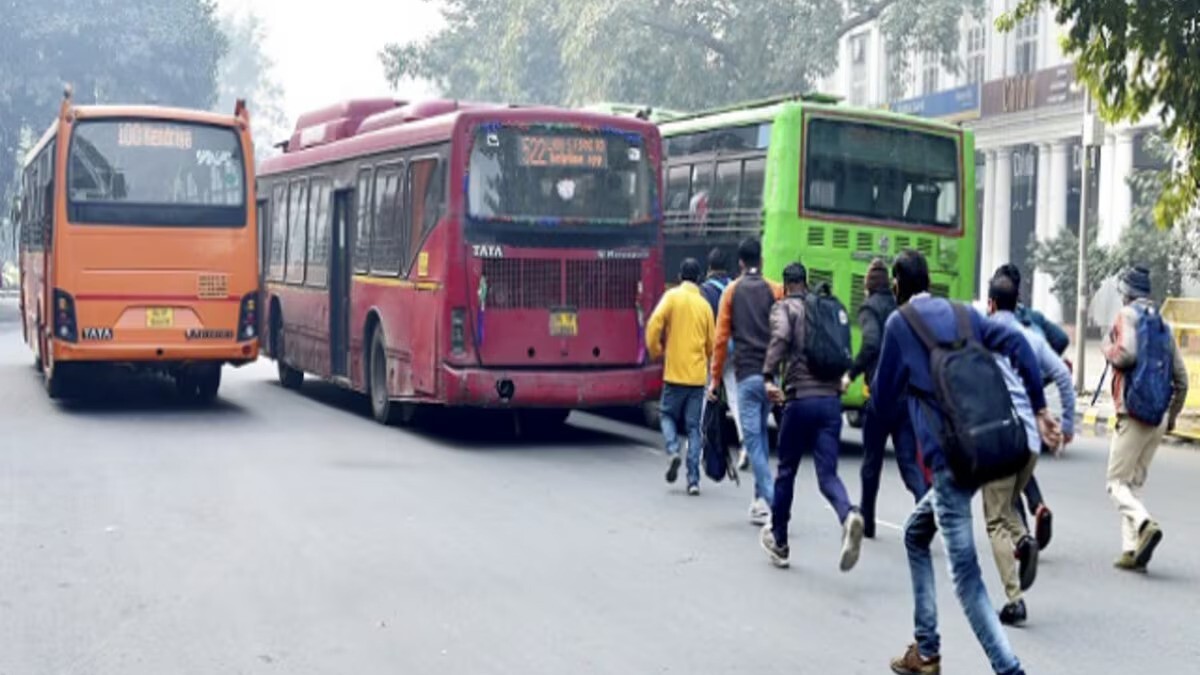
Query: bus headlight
point(248, 318)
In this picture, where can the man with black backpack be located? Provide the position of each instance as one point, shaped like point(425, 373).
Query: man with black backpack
point(810, 332)
point(872, 316)
point(1149, 387)
point(713, 288)
point(943, 355)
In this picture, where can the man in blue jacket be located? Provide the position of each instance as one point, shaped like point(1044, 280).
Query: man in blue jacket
point(904, 366)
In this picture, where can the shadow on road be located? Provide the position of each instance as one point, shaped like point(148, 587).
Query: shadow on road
point(118, 391)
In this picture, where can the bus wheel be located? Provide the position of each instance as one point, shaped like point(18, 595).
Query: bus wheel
point(383, 408)
point(60, 381)
point(198, 385)
point(289, 377)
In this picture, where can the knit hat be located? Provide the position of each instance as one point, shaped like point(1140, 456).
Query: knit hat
point(877, 277)
point(1135, 282)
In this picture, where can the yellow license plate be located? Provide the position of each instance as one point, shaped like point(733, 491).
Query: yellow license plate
point(564, 324)
point(160, 317)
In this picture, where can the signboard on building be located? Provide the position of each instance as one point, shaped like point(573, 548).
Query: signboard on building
point(951, 105)
point(1019, 93)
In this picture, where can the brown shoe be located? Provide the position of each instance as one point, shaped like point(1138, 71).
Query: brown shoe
point(912, 663)
point(1149, 537)
point(1128, 562)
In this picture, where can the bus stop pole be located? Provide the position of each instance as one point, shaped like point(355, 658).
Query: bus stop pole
point(1081, 289)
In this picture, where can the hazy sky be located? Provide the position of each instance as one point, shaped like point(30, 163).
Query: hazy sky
point(327, 50)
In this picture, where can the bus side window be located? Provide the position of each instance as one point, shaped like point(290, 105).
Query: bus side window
point(278, 237)
point(387, 233)
point(424, 201)
point(297, 239)
point(679, 185)
point(753, 182)
point(362, 222)
point(317, 268)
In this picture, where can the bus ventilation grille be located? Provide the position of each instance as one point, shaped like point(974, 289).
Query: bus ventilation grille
point(841, 239)
point(816, 236)
point(925, 246)
point(213, 286)
point(818, 277)
point(858, 284)
point(903, 243)
point(864, 242)
point(940, 290)
point(514, 283)
point(602, 284)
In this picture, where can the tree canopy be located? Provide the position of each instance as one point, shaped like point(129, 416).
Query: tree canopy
point(1138, 58)
point(688, 54)
point(112, 51)
point(246, 72)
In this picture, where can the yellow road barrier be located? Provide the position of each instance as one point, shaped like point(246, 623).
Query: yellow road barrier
point(1184, 317)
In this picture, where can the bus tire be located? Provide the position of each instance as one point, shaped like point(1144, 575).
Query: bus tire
point(383, 408)
point(289, 377)
point(198, 385)
point(60, 382)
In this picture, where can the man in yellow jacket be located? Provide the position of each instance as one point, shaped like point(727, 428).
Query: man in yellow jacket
point(682, 327)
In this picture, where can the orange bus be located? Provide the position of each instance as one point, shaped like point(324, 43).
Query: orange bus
point(138, 245)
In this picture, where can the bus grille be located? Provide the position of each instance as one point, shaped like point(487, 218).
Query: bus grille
point(858, 294)
point(864, 242)
point(940, 290)
point(515, 283)
point(816, 236)
point(841, 239)
point(818, 277)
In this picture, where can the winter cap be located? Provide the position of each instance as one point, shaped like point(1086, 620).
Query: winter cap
point(1135, 282)
point(877, 277)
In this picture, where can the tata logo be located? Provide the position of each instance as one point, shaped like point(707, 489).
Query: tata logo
point(97, 334)
point(206, 334)
point(487, 251)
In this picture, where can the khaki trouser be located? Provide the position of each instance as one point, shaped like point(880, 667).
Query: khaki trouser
point(1132, 450)
point(1004, 526)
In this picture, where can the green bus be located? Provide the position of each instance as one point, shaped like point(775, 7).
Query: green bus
point(826, 184)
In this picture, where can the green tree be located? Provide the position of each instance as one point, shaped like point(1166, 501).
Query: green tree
point(669, 53)
point(246, 72)
point(112, 51)
point(1136, 58)
point(1059, 258)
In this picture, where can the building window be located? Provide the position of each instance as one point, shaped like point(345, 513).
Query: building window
point(976, 54)
point(1027, 39)
point(859, 75)
point(930, 69)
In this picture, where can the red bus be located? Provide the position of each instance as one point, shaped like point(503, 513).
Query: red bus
point(464, 255)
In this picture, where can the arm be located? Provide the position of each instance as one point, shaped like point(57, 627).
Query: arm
point(1120, 346)
point(710, 333)
point(1055, 335)
point(1179, 381)
point(887, 388)
point(1011, 343)
point(781, 340)
point(1056, 369)
point(724, 327)
point(656, 327)
point(868, 353)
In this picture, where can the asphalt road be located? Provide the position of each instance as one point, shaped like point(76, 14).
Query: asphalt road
point(288, 533)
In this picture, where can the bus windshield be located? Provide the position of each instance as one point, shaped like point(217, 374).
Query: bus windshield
point(868, 170)
point(539, 174)
point(156, 172)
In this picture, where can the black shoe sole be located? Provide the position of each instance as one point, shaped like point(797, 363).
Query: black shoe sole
point(1013, 621)
point(1045, 529)
point(1028, 562)
point(673, 469)
point(1143, 556)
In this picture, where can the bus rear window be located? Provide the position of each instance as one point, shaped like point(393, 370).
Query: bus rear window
point(535, 174)
point(878, 172)
point(156, 172)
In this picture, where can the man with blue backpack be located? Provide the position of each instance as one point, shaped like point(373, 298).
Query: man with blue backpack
point(713, 288)
point(1149, 387)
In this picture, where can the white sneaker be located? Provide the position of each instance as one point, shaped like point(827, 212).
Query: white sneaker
point(852, 534)
point(760, 513)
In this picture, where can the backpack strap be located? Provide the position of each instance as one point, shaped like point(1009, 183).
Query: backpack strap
point(918, 325)
point(962, 315)
point(717, 284)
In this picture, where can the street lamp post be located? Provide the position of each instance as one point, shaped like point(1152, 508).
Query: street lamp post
point(1092, 134)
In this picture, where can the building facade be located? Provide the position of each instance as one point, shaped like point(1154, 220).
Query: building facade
point(1018, 92)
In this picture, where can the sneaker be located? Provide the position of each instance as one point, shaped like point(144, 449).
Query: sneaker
point(1042, 528)
point(777, 554)
point(1027, 556)
point(760, 513)
point(694, 490)
point(743, 462)
point(1149, 537)
point(912, 663)
point(852, 534)
point(1128, 562)
point(673, 468)
point(1013, 614)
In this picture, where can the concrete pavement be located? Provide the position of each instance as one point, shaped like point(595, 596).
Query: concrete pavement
point(287, 533)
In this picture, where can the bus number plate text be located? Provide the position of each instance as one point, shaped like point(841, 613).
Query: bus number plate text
point(160, 317)
point(564, 323)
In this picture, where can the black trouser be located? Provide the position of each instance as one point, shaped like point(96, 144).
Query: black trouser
point(904, 440)
point(1033, 498)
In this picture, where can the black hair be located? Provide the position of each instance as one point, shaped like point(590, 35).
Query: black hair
point(750, 252)
point(717, 262)
point(1012, 272)
point(911, 273)
point(689, 270)
point(795, 273)
point(1003, 292)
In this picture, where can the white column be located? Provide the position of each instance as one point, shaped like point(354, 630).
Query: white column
point(1060, 167)
point(1109, 229)
point(985, 227)
point(1002, 212)
point(1043, 298)
point(1122, 201)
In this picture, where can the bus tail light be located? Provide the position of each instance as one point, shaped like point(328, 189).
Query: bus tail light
point(248, 318)
point(65, 327)
point(458, 330)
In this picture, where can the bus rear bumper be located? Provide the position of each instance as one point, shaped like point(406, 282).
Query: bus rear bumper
point(497, 387)
point(143, 354)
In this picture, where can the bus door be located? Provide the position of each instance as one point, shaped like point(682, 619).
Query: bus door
point(339, 285)
point(264, 261)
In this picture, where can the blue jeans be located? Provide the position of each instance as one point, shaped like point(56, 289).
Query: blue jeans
point(875, 434)
point(948, 507)
point(681, 407)
point(754, 409)
point(809, 425)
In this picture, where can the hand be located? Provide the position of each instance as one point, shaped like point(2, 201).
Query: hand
point(1049, 429)
point(712, 393)
point(845, 383)
point(774, 393)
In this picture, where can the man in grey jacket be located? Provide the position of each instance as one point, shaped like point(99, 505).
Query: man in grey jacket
point(811, 422)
